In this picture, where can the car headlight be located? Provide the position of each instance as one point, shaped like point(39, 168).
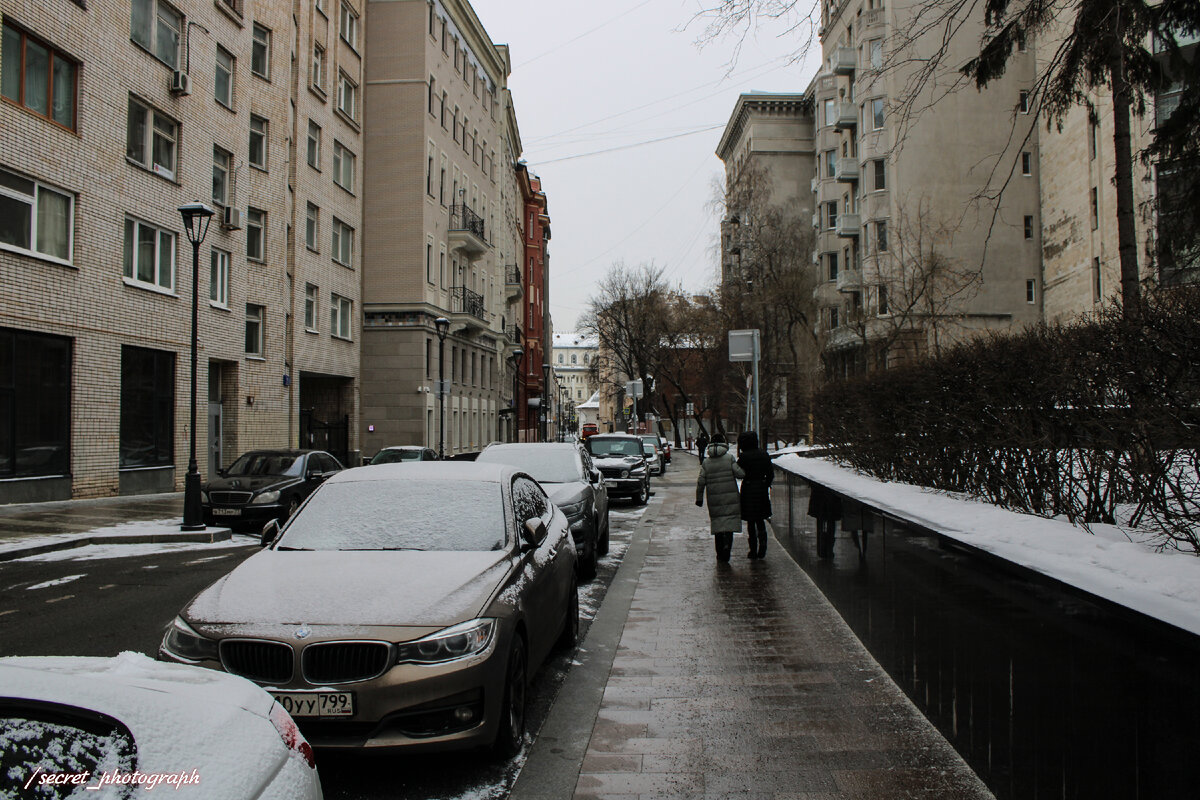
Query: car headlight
point(458, 641)
point(638, 471)
point(180, 640)
point(266, 497)
point(573, 511)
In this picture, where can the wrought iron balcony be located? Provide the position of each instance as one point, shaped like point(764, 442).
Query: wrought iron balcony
point(513, 288)
point(467, 231)
point(464, 301)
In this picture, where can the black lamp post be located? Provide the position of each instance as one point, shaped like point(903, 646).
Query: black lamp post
point(443, 328)
point(516, 357)
point(545, 395)
point(196, 217)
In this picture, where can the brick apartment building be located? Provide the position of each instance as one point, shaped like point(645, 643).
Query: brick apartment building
point(111, 117)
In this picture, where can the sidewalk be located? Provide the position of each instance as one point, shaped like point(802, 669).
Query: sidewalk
point(35, 528)
point(731, 681)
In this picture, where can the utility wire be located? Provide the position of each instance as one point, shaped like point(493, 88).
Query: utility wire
point(582, 35)
point(629, 146)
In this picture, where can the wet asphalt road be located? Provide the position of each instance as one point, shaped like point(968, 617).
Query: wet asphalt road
point(71, 603)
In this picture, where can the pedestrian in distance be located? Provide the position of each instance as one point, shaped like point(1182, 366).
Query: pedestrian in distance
point(826, 507)
point(701, 445)
point(719, 475)
point(756, 491)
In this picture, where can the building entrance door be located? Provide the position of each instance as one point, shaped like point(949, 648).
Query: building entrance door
point(214, 439)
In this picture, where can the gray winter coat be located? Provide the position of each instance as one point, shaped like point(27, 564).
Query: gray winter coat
point(717, 475)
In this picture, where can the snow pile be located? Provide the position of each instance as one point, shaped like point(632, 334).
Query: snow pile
point(1164, 585)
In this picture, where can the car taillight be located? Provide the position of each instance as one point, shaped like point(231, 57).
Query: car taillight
point(293, 739)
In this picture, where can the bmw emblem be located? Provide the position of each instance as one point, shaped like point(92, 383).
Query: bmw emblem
point(303, 632)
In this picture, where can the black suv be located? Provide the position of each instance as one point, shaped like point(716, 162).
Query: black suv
point(620, 460)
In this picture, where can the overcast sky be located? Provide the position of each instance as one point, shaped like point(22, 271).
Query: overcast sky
point(590, 77)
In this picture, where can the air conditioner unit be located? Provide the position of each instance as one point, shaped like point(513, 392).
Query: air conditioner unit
point(232, 219)
point(181, 83)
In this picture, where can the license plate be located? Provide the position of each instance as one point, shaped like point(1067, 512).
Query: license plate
point(227, 512)
point(610, 484)
point(316, 704)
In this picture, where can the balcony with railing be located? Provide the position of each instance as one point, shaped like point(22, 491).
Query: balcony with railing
point(467, 232)
point(847, 116)
point(849, 225)
point(842, 61)
point(513, 288)
point(846, 169)
point(467, 308)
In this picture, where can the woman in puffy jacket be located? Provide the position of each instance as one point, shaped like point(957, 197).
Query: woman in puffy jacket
point(756, 491)
point(719, 475)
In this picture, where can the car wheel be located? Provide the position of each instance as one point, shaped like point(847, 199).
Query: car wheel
point(644, 496)
point(510, 736)
point(639, 497)
point(570, 630)
point(587, 566)
point(602, 543)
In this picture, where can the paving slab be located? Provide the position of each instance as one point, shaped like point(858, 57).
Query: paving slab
point(738, 680)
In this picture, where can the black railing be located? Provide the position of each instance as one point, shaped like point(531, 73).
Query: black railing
point(512, 274)
point(462, 218)
point(468, 302)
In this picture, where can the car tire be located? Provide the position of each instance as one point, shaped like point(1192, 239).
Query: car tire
point(644, 496)
point(569, 637)
point(586, 567)
point(639, 497)
point(510, 735)
point(602, 542)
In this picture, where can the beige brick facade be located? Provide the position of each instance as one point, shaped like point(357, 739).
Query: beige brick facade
point(89, 299)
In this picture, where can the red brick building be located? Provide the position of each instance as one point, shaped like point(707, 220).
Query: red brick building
point(536, 226)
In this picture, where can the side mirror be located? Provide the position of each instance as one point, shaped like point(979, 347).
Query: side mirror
point(270, 532)
point(223, 472)
point(313, 475)
point(596, 476)
point(534, 532)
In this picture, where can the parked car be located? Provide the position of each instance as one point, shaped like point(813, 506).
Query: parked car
point(574, 484)
point(666, 448)
point(620, 459)
point(404, 606)
point(653, 458)
point(263, 485)
point(115, 716)
point(404, 452)
point(655, 441)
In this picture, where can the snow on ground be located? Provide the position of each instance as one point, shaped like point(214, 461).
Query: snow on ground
point(163, 527)
point(55, 582)
point(1164, 585)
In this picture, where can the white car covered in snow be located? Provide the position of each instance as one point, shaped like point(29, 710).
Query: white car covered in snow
point(108, 728)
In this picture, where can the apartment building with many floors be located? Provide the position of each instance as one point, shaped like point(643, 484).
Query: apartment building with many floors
point(111, 118)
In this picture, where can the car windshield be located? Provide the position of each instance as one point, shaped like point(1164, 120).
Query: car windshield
point(648, 447)
point(400, 515)
point(651, 440)
point(613, 447)
point(392, 455)
point(266, 464)
point(545, 464)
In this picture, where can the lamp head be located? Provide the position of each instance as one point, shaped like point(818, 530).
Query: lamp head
point(195, 220)
point(443, 327)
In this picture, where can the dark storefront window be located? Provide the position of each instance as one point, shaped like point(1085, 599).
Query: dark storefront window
point(147, 407)
point(35, 404)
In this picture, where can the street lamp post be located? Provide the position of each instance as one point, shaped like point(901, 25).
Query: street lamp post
point(516, 357)
point(443, 328)
point(545, 395)
point(196, 217)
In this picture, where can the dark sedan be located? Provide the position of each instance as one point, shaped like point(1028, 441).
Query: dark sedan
point(264, 485)
point(574, 485)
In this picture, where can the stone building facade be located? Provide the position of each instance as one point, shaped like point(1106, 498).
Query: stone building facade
point(109, 121)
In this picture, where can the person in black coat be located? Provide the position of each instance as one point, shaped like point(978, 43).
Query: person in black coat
point(756, 491)
point(701, 445)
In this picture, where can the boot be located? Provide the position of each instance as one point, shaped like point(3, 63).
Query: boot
point(724, 546)
point(754, 546)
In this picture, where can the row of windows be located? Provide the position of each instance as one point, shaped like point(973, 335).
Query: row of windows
point(479, 369)
point(480, 154)
point(472, 77)
point(574, 358)
point(341, 313)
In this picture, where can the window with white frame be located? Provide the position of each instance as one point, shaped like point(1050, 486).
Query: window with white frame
point(149, 255)
point(254, 329)
point(318, 68)
point(830, 112)
point(343, 243)
point(834, 322)
point(347, 98)
point(312, 227)
point(258, 142)
point(348, 25)
point(157, 27)
point(875, 51)
point(38, 77)
point(432, 91)
point(260, 52)
point(35, 218)
point(218, 278)
point(343, 166)
point(1026, 163)
point(310, 308)
point(1023, 102)
point(222, 169)
point(1030, 291)
point(223, 81)
point(1028, 226)
point(314, 145)
point(151, 141)
point(340, 309)
point(429, 261)
point(256, 234)
point(881, 236)
point(880, 174)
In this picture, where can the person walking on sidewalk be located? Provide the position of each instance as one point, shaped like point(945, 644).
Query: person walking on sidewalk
point(756, 491)
point(701, 445)
point(718, 477)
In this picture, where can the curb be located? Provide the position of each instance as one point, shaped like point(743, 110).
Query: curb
point(551, 771)
point(207, 536)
